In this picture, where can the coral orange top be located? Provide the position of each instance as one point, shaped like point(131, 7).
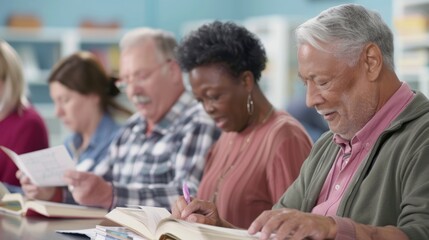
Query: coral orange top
point(247, 172)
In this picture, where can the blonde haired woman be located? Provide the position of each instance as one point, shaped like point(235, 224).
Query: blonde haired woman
point(21, 127)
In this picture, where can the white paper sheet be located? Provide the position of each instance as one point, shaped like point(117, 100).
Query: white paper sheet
point(44, 167)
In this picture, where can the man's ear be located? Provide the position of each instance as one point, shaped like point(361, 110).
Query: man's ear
point(372, 60)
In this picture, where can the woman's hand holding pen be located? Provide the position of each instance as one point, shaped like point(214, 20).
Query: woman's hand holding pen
point(195, 210)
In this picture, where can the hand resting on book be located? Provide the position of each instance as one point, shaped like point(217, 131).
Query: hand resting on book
point(293, 224)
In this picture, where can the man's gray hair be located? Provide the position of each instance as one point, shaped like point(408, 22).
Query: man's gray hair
point(347, 29)
point(164, 40)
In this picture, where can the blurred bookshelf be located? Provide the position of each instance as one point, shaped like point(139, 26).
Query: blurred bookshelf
point(281, 73)
point(41, 48)
point(411, 27)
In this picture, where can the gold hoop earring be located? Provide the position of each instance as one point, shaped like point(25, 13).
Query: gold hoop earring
point(250, 107)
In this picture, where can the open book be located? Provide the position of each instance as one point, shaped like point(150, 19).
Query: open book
point(3, 190)
point(156, 224)
point(44, 167)
point(17, 204)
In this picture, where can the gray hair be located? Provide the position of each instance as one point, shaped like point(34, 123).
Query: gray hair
point(11, 73)
point(347, 28)
point(164, 40)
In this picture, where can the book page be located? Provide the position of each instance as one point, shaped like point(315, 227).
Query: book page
point(155, 215)
point(189, 230)
point(44, 167)
point(63, 210)
point(134, 219)
point(142, 220)
point(3, 190)
point(12, 203)
point(17, 204)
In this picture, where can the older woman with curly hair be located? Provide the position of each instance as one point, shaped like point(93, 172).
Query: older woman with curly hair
point(261, 149)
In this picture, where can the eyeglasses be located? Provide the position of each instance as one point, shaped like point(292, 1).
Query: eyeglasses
point(140, 76)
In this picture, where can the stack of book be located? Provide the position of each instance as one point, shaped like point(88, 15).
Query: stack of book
point(115, 233)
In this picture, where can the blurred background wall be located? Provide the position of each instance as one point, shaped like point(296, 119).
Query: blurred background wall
point(168, 14)
point(43, 31)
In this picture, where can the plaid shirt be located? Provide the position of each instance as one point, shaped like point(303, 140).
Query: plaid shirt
point(150, 169)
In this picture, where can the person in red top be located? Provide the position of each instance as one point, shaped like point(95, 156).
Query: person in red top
point(21, 127)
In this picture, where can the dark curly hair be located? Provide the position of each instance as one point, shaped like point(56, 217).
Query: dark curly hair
point(225, 43)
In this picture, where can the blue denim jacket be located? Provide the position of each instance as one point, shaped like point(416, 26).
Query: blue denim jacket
point(98, 146)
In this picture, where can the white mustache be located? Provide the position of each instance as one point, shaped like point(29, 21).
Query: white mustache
point(140, 99)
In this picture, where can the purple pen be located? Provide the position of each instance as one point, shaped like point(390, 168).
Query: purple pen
point(186, 193)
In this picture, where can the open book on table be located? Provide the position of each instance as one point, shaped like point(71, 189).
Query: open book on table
point(3, 190)
point(44, 167)
point(156, 224)
point(17, 204)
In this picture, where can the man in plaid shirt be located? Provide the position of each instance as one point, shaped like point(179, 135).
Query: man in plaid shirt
point(161, 146)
